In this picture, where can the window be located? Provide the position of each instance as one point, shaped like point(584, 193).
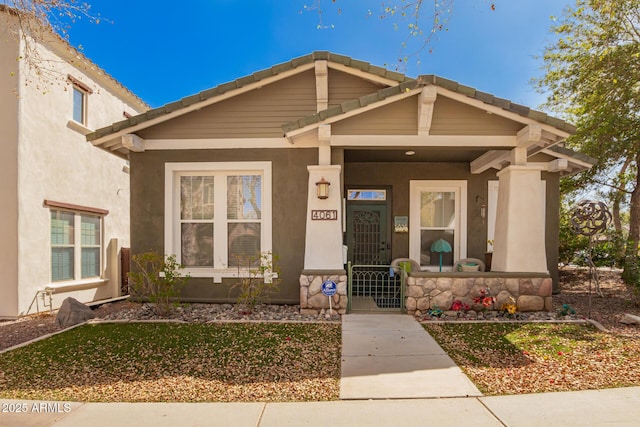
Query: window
point(372, 195)
point(438, 212)
point(76, 245)
point(80, 96)
point(79, 105)
point(218, 215)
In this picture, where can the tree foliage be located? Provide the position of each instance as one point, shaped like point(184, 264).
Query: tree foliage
point(592, 73)
point(421, 20)
point(39, 21)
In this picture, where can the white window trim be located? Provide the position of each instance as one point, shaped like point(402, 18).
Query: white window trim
point(77, 278)
point(172, 240)
point(459, 187)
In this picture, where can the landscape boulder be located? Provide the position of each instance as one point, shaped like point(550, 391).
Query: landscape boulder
point(630, 319)
point(73, 312)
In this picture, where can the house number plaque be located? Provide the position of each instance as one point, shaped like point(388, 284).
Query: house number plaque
point(324, 215)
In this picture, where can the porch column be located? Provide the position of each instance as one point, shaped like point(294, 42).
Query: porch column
point(519, 243)
point(323, 240)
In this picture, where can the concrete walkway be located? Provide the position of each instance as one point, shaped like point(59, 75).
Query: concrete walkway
point(615, 407)
point(390, 356)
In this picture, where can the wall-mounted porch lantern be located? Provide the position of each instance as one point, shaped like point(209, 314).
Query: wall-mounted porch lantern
point(323, 188)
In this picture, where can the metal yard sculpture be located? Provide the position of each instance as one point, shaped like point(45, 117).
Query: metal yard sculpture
point(589, 218)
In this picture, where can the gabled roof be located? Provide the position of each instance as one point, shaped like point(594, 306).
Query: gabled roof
point(256, 77)
point(425, 80)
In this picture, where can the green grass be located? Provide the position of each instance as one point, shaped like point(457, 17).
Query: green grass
point(507, 358)
point(174, 362)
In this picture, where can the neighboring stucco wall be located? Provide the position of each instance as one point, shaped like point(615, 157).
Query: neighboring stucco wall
point(290, 178)
point(57, 163)
point(8, 173)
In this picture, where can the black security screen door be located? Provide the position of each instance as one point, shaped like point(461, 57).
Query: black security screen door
point(367, 239)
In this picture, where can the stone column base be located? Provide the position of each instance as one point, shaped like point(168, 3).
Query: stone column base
point(313, 301)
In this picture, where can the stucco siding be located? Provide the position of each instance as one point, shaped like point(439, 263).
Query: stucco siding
point(289, 183)
point(9, 96)
point(399, 118)
point(57, 163)
point(256, 114)
point(455, 118)
point(346, 87)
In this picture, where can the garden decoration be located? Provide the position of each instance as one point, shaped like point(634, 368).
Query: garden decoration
point(441, 246)
point(589, 218)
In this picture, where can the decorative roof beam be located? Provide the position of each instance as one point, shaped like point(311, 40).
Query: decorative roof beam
point(490, 159)
point(324, 145)
point(133, 143)
point(322, 85)
point(530, 136)
point(426, 102)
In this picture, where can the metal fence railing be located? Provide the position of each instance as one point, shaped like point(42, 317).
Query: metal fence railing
point(376, 288)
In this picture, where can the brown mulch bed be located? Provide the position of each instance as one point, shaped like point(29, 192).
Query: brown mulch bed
point(617, 298)
point(583, 370)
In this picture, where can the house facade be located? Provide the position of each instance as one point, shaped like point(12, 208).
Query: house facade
point(326, 160)
point(65, 215)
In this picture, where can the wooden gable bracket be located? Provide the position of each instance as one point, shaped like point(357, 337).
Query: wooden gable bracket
point(322, 85)
point(133, 143)
point(426, 102)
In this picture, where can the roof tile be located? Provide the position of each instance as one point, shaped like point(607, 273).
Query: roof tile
point(487, 98)
point(406, 83)
point(246, 80)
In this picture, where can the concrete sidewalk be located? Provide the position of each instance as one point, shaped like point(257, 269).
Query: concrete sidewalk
point(615, 407)
point(390, 356)
point(389, 365)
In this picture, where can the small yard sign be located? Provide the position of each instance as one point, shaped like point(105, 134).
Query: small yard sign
point(329, 288)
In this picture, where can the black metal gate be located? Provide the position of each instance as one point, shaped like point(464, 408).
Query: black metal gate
point(375, 288)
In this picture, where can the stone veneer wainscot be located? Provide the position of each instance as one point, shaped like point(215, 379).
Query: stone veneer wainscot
point(313, 301)
point(532, 292)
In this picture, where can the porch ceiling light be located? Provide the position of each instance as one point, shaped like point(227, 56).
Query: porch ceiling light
point(409, 153)
point(323, 188)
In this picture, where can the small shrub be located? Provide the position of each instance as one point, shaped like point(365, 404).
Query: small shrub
point(157, 279)
point(256, 281)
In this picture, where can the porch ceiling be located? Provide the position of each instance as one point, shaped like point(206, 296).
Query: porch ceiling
point(423, 154)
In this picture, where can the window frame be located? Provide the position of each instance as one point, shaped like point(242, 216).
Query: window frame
point(416, 188)
point(221, 170)
point(84, 97)
point(77, 274)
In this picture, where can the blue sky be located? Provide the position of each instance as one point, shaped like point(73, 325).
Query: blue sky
point(164, 51)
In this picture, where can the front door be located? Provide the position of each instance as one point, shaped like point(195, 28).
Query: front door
point(367, 234)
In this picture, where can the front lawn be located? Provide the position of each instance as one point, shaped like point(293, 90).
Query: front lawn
point(507, 358)
point(159, 362)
